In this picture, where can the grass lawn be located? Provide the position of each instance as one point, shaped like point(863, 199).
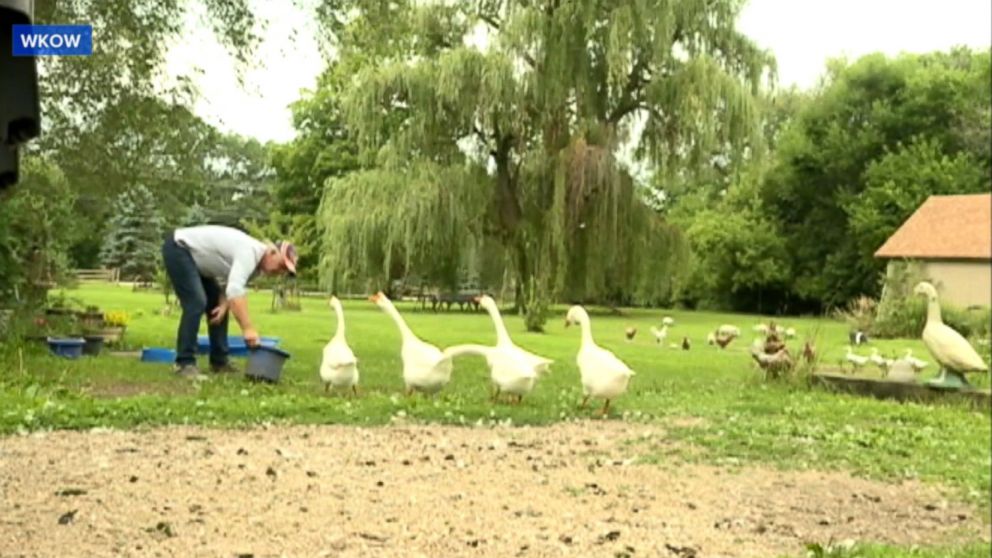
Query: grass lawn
point(713, 400)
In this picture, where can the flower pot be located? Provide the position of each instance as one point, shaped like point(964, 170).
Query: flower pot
point(66, 347)
point(90, 319)
point(93, 345)
point(112, 334)
point(265, 364)
point(59, 312)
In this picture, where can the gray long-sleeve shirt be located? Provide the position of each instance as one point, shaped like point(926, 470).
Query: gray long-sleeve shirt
point(222, 253)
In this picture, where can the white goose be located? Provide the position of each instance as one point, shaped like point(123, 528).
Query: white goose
point(513, 370)
point(856, 360)
point(949, 348)
point(508, 372)
point(339, 367)
point(603, 374)
point(668, 321)
point(659, 334)
point(425, 368)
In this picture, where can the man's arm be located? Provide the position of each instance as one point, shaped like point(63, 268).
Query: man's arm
point(237, 292)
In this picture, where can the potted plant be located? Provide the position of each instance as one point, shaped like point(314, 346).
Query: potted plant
point(91, 317)
point(114, 326)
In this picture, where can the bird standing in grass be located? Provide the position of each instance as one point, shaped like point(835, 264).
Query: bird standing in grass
point(338, 365)
point(949, 348)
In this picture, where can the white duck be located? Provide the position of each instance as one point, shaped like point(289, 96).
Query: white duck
point(881, 362)
point(668, 321)
point(917, 364)
point(425, 368)
point(659, 334)
point(856, 360)
point(603, 374)
point(339, 367)
point(790, 332)
point(513, 370)
point(949, 348)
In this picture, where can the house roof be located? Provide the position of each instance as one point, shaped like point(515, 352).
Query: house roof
point(945, 227)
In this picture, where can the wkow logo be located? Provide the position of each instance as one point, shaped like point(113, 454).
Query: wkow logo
point(53, 40)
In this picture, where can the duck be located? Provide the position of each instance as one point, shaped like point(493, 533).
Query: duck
point(917, 364)
point(659, 334)
point(338, 365)
point(711, 338)
point(881, 362)
point(603, 374)
point(668, 321)
point(790, 332)
point(630, 332)
point(425, 368)
point(685, 344)
point(949, 348)
point(773, 364)
point(855, 360)
point(809, 352)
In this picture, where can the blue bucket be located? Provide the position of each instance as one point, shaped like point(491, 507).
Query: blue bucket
point(66, 347)
point(157, 354)
point(265, 363)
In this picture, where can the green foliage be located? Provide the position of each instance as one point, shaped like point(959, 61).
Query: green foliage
point(34, 231)
point(857, 160)
point(135, 237)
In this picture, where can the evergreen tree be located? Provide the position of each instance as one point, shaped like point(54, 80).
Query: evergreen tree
point(135, 235)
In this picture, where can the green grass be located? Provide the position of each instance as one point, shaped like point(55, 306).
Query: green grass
point(738, 418)
point(975, 550)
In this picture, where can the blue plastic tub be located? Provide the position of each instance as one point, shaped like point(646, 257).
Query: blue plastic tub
point(236, 345)
point(265, 363)
point(67, 347)
point(158, 354)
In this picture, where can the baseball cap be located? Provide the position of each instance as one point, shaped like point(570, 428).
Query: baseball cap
point(288, 251)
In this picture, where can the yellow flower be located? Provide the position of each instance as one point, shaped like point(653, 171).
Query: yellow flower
point(116, 319)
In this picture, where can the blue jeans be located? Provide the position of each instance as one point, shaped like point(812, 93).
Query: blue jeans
point(198, 295)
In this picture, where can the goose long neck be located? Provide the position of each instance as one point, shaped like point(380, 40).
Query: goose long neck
point(933, 310)
point(405, 330)
point(339, 312)
point(502, 336)
point(586, 329)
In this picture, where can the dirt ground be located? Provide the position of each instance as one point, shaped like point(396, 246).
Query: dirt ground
point(568, 490)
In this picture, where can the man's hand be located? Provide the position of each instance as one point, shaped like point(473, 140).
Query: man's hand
point(218, 313)
point(251, 337)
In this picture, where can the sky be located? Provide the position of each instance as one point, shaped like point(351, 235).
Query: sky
point(802, 34)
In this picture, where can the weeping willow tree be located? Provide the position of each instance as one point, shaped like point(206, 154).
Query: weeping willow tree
point(540, 112)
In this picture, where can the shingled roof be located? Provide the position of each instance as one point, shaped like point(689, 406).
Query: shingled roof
point(945, 227)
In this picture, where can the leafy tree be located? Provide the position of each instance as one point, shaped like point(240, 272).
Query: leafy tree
point(34, 231)
point(135, 237)
point(840, 161)
point(521, 139)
